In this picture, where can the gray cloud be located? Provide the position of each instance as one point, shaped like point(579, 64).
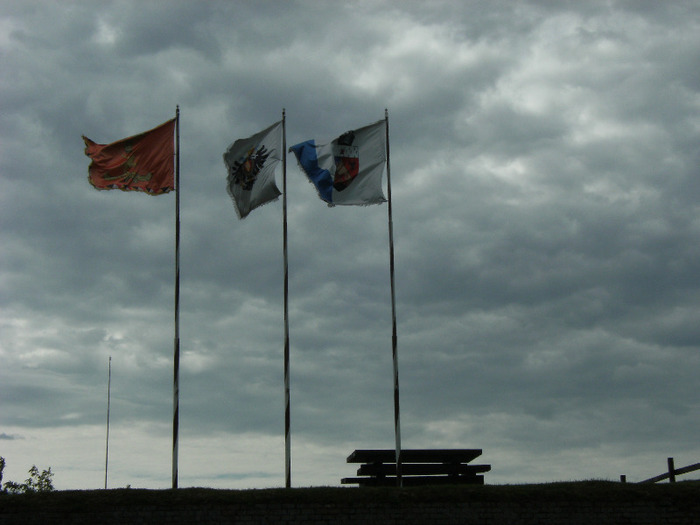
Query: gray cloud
point(544, 175)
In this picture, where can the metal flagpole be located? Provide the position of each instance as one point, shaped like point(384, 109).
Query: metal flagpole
point(287, 413)
point(176, 351)
point(394, 351)
point(109, 395)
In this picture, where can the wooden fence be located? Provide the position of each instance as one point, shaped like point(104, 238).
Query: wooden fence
point(670, 475)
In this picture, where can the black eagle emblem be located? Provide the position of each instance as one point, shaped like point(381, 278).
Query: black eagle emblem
point(246, 169)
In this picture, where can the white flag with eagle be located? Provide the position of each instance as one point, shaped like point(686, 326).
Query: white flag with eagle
point(251, 166)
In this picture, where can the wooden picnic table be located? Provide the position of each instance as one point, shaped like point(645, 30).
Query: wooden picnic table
point(418, 467)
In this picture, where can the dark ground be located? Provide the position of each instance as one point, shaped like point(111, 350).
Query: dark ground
point(681, 493)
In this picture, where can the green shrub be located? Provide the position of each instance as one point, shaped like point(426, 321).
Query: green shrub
point(36, 482)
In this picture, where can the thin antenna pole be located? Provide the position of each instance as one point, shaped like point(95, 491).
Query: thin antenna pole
point(176, 350)
point(109, 396)
point(287, 410)
point(394, 350)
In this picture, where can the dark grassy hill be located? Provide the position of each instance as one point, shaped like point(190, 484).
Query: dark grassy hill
point(681, 494)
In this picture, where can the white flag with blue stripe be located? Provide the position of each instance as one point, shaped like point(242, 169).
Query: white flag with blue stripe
point(347, 170)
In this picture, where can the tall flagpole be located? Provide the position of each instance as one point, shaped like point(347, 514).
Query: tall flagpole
point(176, 351)
point(394, 350)
point(287, 413)
point(109, 395)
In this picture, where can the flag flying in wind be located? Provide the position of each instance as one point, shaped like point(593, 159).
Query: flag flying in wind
point(143, 162)
point(347, 170)
point(251, 166)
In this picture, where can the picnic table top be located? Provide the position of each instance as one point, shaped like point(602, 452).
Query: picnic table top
point(422, 455)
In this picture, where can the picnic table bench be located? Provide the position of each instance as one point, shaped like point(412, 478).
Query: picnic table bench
point(418, 467)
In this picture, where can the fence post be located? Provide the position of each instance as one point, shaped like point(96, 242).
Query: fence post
point(671, 471)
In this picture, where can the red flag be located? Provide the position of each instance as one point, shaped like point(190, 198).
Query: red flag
point(143, 162)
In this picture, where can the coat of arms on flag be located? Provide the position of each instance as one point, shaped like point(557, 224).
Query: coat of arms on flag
point(347, 161)
point(251, 166)
point(245, 170)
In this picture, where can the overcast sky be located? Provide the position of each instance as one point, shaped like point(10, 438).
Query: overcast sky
point(545, 163)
